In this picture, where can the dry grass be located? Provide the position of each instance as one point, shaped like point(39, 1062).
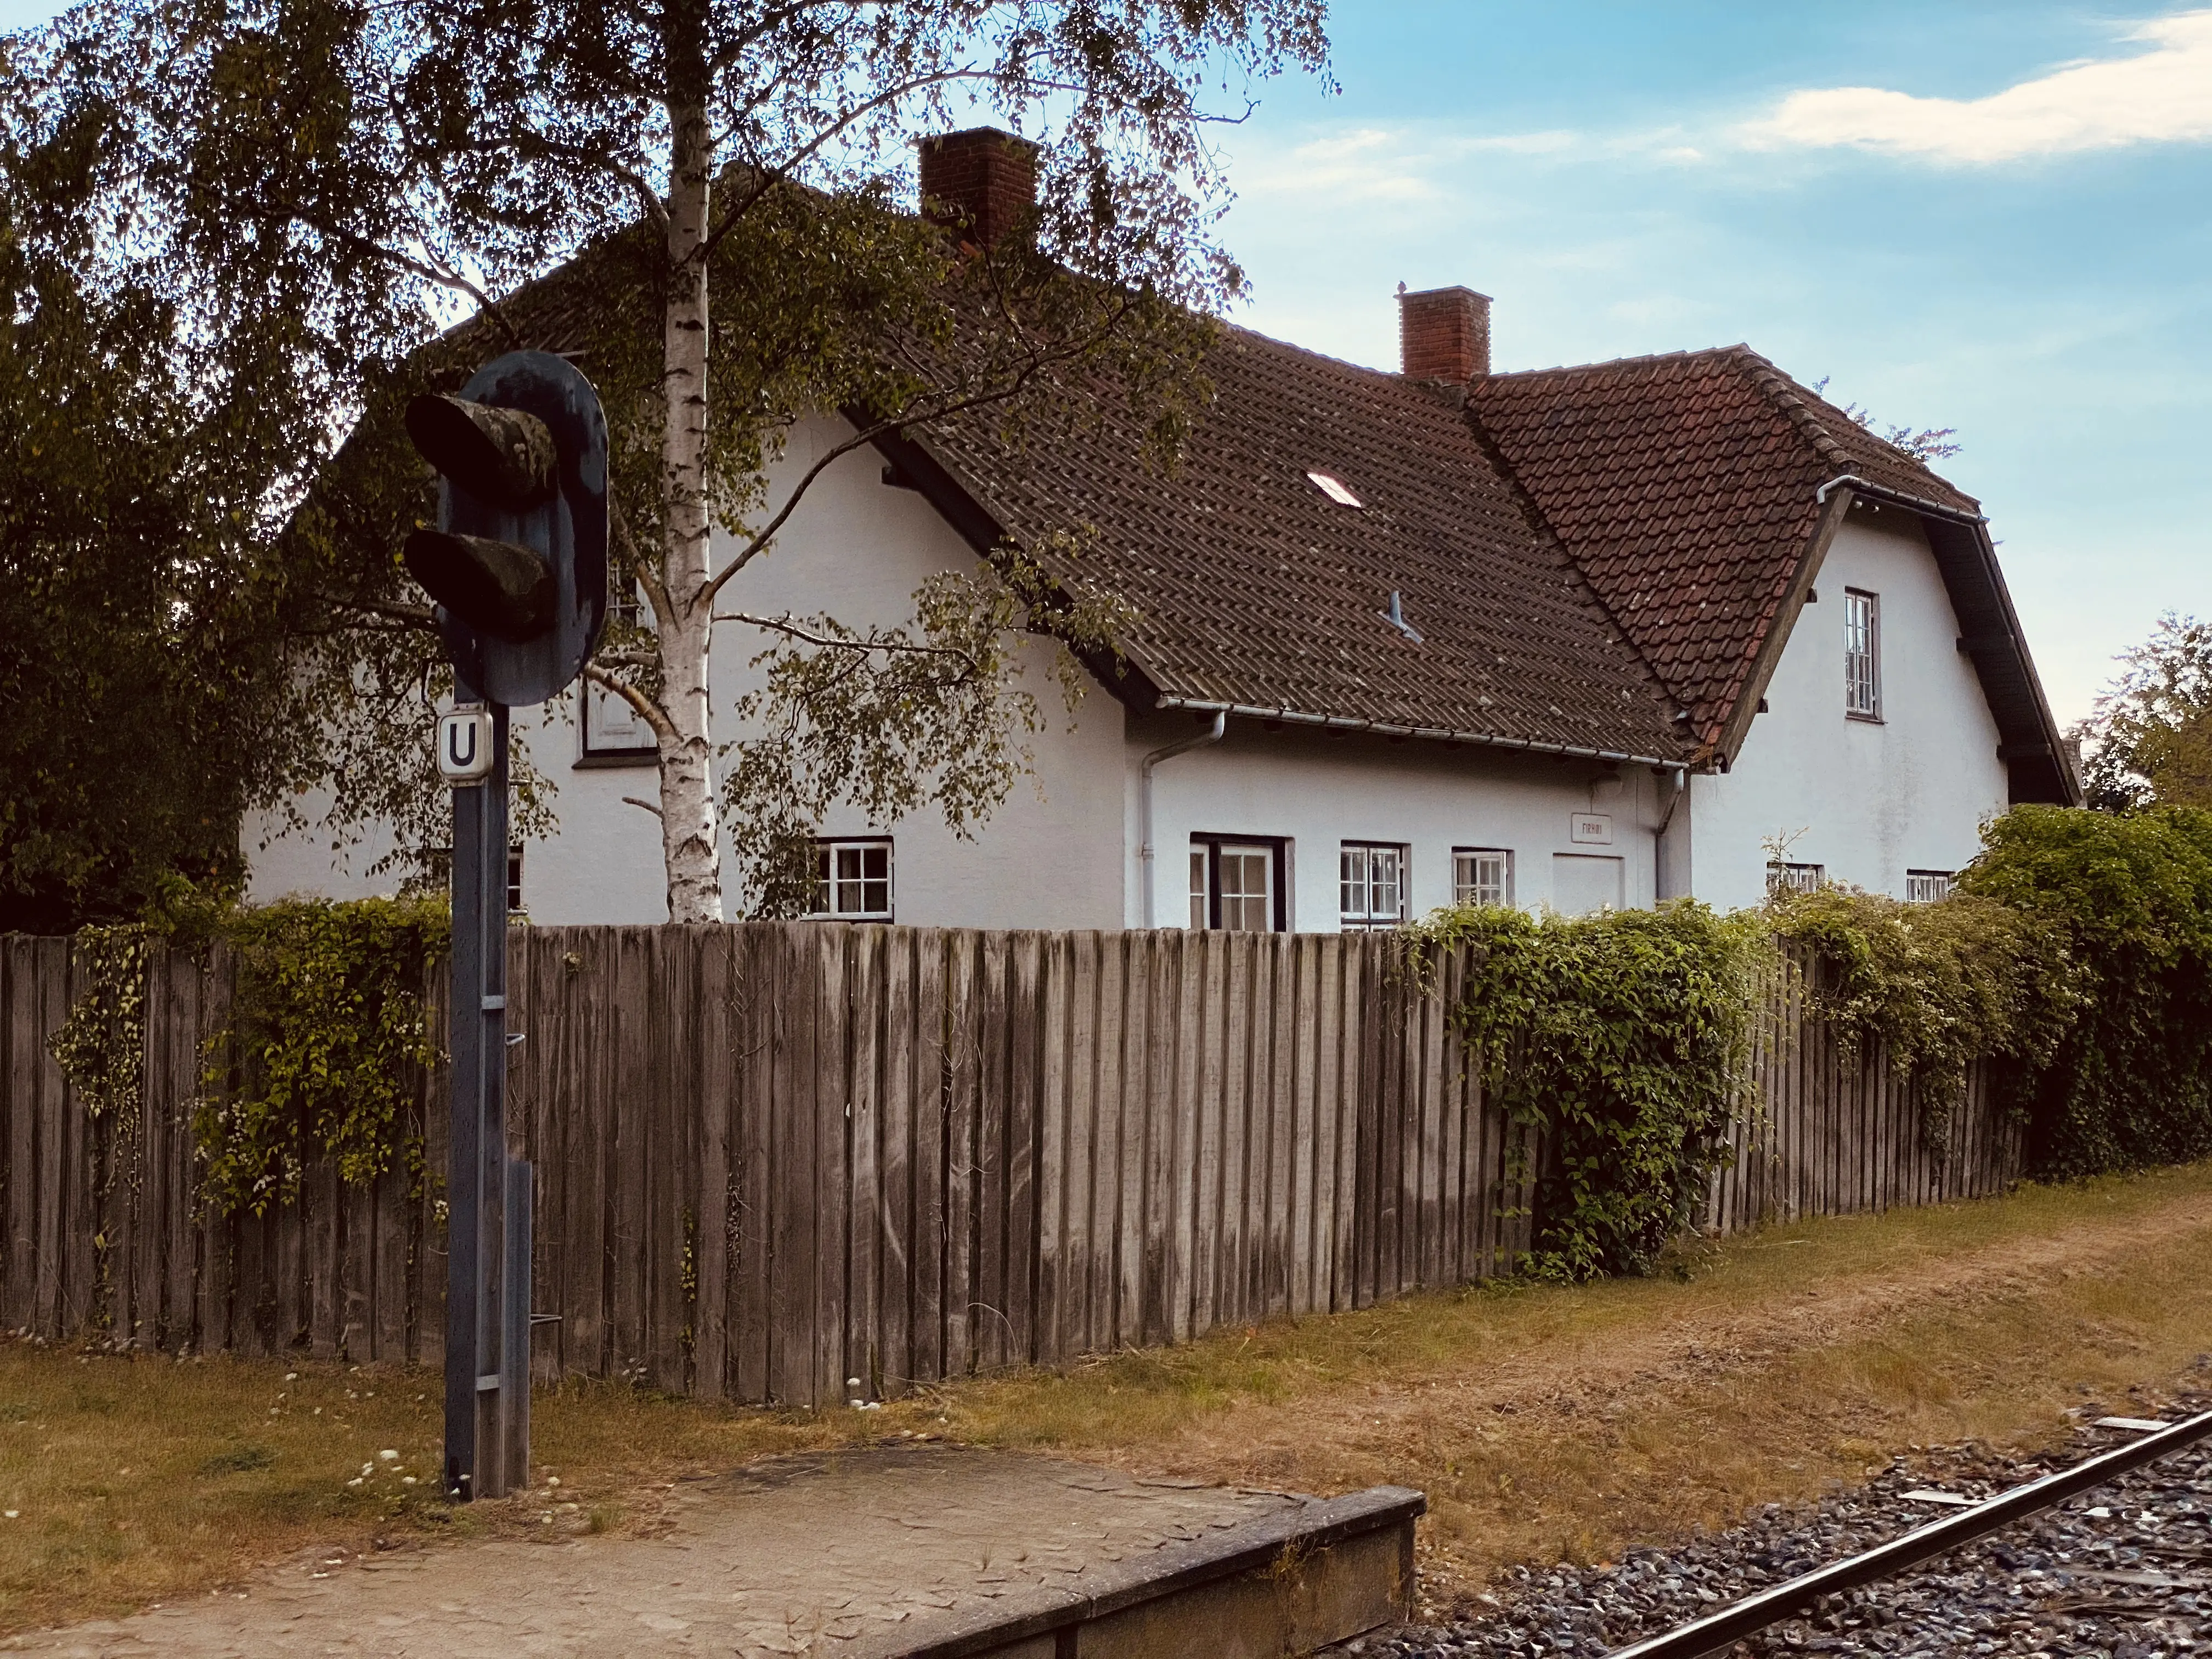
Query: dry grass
point(1542, 1423)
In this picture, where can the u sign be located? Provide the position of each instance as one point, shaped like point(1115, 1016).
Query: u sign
point(464, 743)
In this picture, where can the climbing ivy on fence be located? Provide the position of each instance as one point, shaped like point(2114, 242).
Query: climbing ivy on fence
point(101, 1047)
point(1938, 985)
point(328, 1034)
point(1624, 1037)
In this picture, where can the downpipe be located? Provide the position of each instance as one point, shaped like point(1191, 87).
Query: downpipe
point(1211, 734)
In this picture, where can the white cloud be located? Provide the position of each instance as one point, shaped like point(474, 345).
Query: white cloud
point(2163, 94)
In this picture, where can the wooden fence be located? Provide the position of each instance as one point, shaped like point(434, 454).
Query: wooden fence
point(773, 1157)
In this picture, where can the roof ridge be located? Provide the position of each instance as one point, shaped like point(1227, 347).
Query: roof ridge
point(1783, 392)
point(1684, 356)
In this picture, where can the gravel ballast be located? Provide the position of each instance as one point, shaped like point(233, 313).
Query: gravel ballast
point(2123, 1571)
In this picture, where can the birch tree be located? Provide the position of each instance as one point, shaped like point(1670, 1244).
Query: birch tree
point(709, 200)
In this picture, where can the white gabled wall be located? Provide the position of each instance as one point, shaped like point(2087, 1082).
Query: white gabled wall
point(1873, 800)
point(1051, 856)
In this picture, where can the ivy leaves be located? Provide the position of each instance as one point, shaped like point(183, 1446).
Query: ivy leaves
point(328, 1034)
point(1624, 1037)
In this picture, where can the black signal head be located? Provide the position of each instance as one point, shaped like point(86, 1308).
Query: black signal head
point(518, 563)
point(504, 456)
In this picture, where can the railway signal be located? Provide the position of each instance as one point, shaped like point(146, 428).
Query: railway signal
point(517, 565)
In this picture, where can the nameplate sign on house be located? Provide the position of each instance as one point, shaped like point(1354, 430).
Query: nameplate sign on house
point(1592, 829)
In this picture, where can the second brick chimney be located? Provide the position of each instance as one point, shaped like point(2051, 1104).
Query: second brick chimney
point(1443, 334)
point(981, 182)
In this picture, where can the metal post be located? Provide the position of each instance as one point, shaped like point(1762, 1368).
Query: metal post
point(487, 1434)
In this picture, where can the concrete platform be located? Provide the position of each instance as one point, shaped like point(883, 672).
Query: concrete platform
point(893, 1552)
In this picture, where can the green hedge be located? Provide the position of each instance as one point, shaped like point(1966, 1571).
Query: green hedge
point(2127, 1082)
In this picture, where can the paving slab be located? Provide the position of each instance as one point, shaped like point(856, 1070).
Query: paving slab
point(929, 1551)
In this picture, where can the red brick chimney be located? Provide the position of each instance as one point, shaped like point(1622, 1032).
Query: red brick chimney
point(981, 182)
point(1443, 334)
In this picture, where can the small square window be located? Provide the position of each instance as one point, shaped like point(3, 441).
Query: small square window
point(1797, 878)
point(1482, 875)
point(1371, 885)
point(1926, 886)
point(1861, 654)
point(1235, 886)
point(853, 880)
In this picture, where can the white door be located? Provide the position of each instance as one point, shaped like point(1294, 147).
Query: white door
point(1583, 882)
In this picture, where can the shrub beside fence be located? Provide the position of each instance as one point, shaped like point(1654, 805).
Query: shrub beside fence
point(774, 1157)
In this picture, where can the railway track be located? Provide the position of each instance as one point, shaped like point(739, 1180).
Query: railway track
point(1954, 1552)
point(1717, 1632)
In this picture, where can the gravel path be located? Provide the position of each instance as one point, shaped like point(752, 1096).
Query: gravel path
point(2124, 1571)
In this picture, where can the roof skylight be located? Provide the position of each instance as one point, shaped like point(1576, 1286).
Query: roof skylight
point(1333, 489)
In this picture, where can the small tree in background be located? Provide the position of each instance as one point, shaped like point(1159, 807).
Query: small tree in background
point(2147, 742)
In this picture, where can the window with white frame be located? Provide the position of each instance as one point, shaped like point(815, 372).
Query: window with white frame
point(614, 732)
point(1371, 885)
point(1926, 886)
point(1236, 884)
point(1482, 875)
point(1861, 654)
point(1797, 878)
point(852, 879)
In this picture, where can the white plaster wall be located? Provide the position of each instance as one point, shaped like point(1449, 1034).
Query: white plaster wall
point(1873, 800)
point(1051, 856)
point(1318, 791)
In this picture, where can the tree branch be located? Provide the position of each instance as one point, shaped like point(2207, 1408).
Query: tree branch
point(864, 645)
point(647, 710)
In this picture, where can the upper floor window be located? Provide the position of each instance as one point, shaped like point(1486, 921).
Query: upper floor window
point(1861, 654)
point(1797, 878)
point(1926, 886)
point(1236, 884)
point(1372, 885)
point(1482, 875)
point(852, 879)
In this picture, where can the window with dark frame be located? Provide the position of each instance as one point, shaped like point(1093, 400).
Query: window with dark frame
point(1236, 884)
point(433, 874)
point(852, 879)
point(1861, 654)
point(1926, 886)
point(1797, 878)
point(1371, 886)
point(1482, 875)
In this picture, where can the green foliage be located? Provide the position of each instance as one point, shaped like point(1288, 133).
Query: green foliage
point(329, 206)
point(2129, 1081)
point(101, 1047)
point(130, 686)
point(2148, 740)
point(1625, 1038)
point(328, 1033)
point(1938, 985)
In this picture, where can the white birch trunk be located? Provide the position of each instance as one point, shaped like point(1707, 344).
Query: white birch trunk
point(689, 830)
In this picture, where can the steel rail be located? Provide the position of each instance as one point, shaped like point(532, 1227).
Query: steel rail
point(1717, 1631)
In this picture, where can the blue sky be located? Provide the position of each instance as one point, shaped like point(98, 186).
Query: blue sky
point(1972, 214)
point(1992, 216)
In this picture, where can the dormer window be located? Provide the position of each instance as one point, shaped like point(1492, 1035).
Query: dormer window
point(1334, 487)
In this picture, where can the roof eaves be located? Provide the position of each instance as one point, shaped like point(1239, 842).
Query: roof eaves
point(1437, 733)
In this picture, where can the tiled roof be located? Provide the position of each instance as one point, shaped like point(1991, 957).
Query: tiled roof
point(1254, 590)
point(1684, 488)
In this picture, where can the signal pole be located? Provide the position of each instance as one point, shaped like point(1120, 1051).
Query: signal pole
point(517, 567)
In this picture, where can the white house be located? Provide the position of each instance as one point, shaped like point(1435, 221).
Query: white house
point(1574, 637)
